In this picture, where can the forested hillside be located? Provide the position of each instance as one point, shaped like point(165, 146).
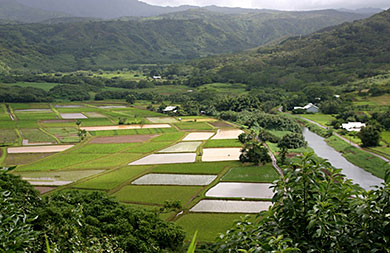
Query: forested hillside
point(330, 57)
point(165, 39)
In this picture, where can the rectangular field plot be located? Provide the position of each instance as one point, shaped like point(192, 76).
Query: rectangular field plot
point(221, 124)
point(165, 158)
point(174, 179)
point(227, 134)
point(59, 161)
point(161, 119)
point(113, 179)
point(221, 154)
point(21, 106)
point(241, 190)
point(104, 148)
point(73, 116)
point(125, 127)
point(194, 168)
point(36, 116)
point(123, 139)
point(194, 126)
point(36, 136)
point(94, 115)
point(223, 143)
point(200, 136)
point(64, 134)
point(112, 106)
point(148, 147)
point(263, 174)
point(93, 122)
point(121, 132)
point(20, 159)
point(169, 137)
point(8, 136)
point(39, 149)
point(209, 226)
point(157, 194)
point(182, 147)
point(57, 178)
point(32, 110)
point(67, 106)
point(230, 206)
point(106, 161)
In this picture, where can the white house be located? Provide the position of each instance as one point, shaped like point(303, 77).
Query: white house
point(309, 108)
point(156, 77)
point(353, 126)
point(170, 109)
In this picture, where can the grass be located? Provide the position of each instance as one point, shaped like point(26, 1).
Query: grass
point(194, 168)
point(21, 106)
point(223, 143)
point(386, 136)
point(274, 148)
point(59, 161)
point(133, 131)
point(323, 119)
point(64, 134)
point(279, 134)
point(209, 225)
point(156, 194)
point(113, 179)
point(36, 136)
point(193, 126)
point(381, 100)
point(20, 159)
point(96, 122)
point(8, 136)
point(43, 86)
point(261, 174)
point(359, 157)
point(107, 162)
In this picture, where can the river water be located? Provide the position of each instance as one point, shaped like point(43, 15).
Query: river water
point(323, 150)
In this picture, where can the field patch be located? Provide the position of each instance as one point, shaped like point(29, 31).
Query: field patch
point(221, 124)
point(227, 134)
point(8, 136)
point(200, 136)
point(263, 174)
point(161, 119)
point(106, 161)
point(230, 143)
point(221, 154)
point(157, 194)
point(113, 179)
point(124, 127)
point(67, 106)
point(135, 132)
point(35, 116)
point(33, 110)
point(174, 179)
point(193, 126)
point(20, 159)
point(104, 148)
point(111, 106)
point(94, 115)
point(194, 168)
point(182, 147)
point(36, 136)
point(169, 137)
point(230, 206)
point(44, 189)
point(39, 149)
point(122, 139)
point(73, 116)
point(148, 147)
point(64, 134)
point(241, 190)
point(166, 158)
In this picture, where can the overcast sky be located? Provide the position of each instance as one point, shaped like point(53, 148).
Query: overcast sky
point(279, 4)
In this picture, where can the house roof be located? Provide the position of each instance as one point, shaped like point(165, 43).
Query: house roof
point(353, 126)
point(308, 106)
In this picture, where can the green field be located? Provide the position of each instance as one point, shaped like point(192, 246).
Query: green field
point(104, 148)
point(209, 226)
point(35, 116)
point(104, 161)
point(64, 134)
point(20, 159)
point(36, 136)
point(195, 168)
point(43, 86)
point(261, 174)
point(133, 131)
point(168, 137)
point(114, 178)
point(222, 143)
point(8, 136)
point(386, 136)
point(190, 125)
point(60, 175)
point(323, 119)
point(157, 194)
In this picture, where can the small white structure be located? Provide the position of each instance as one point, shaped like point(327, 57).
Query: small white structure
point(353, 126)
point(337, 96)
point(170, 109)
point(309, 108)
point(156, 77)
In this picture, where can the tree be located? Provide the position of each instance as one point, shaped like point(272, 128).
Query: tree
point(253, 150)
point(131, 99)
point(315, 209)
point(370, 136)
point(292, 140)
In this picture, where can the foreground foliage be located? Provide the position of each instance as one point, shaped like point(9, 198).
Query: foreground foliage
point(76, 221)
point(316, 209)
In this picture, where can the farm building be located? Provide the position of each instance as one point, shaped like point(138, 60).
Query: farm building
point(170, 109)
point(309, 108)
point(353, 126)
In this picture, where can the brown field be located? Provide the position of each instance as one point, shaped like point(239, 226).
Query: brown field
point(58, 121)
point(220, 124)
point(43, 189)
point(122, 139)
point(19, 159)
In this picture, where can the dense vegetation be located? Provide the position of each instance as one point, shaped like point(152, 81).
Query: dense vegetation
point(315, 208)
point(117, 44)
point(78, 221)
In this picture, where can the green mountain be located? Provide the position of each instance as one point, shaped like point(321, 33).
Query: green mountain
point(332, 56)
point(164, 39)
point(14, 11)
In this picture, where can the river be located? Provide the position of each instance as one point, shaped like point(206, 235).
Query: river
point(322, 149)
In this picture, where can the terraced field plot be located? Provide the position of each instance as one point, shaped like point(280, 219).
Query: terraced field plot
point(264, 174)
point(57, 178)
point(193, 126)
point(123, 139)
point(200, 136)
point(64, 134)
point(36, 136)
point(39, 149)
point(20, 159)
point(223, 143)
point(161, 119)
point(221, 154)
point(124, 127)
point(8, 136)
point(241, 190)
point(174, 179)
point(35, 116)
point(166, 159)
point(157, 194)
point(195, 168)
point(73, 116)
point(182, 147)
point(227, 134)
point(94, 115)
point(143, 131)
point(230, 206)
point(33, 110)
point(221, 124)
